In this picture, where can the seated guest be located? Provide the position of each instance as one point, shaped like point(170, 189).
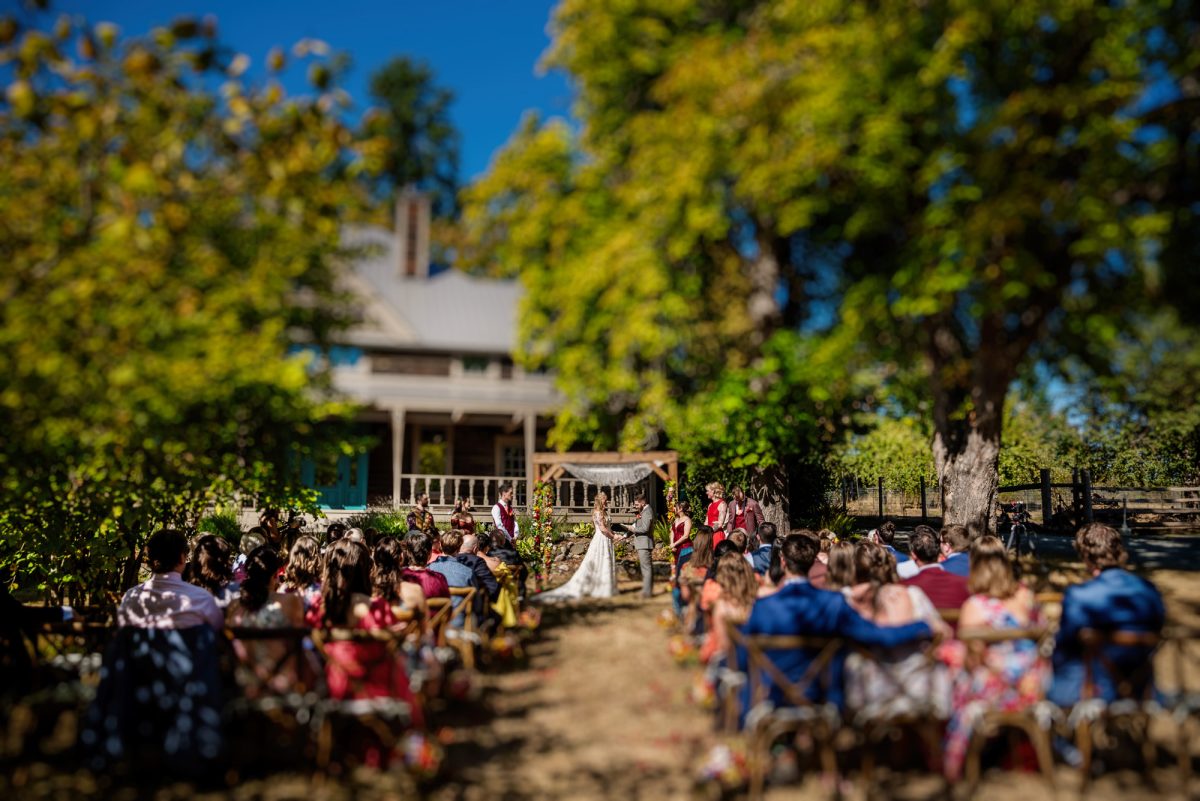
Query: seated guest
point(457, 573)
point(160, 694)
point(1113, 599)
point(212, 568)
point(818, 576)
point(840, 569)
point(955, 540)
point(1006, 676)
point(388, 581)
point(710, 590)
point(740, 539)
point(464, 551)
point(165, 600)
point(799, 609)
point(902, 680)
point(418, 546)
point(303, 574)
point(696, 569)
point(775, 575)
point(737, 589)
point(887, 538)
point(260, 606)
point(760, 557)
point(943, 588)
point(250, 540)
point(360, 669)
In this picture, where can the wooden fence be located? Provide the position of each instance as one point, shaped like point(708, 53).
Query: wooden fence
point(1080, 499)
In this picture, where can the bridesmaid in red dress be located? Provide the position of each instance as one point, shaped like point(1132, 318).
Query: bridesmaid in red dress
point(462, 519)
point(718, 511)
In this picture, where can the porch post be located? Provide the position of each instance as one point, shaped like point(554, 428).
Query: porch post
point(530, 443)
point(397, 453)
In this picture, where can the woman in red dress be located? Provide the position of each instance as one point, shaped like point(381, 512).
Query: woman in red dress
point(462, 519)
point(360, 669)
point(718, 511)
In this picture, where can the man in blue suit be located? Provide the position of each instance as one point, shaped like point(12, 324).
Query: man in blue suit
point(760, 557)
point(1113, 600)
point(799, 609)
point(956, 542)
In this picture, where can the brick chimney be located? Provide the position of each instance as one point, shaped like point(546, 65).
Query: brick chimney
point(413, 210)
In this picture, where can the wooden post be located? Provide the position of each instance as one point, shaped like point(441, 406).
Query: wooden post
point(530, 447)
point(1047, 498)
point(397, 453)
point(881, 498)
point(1075, 494)
point(924, 507)
point(1086, 476)
point(845, 494)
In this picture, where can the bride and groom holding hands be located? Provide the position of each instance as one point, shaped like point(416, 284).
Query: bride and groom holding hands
point(597, 574)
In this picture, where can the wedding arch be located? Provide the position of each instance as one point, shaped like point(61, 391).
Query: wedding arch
point(577, 477)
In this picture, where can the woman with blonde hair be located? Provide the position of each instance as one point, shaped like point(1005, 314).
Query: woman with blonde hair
point(718, 511)
point(840, 567)
point(597, 574)
point(1006, 676)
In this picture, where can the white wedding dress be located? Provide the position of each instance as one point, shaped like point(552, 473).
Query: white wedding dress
point(597, 574)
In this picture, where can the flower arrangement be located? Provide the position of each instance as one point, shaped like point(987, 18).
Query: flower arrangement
point(541, 549)
point(672, 492)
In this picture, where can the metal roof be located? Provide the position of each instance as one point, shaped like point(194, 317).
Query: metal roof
point(447, 311)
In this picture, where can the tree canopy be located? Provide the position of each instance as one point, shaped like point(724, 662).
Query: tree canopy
point(169, 233)
point(413, 120)
point(952, 192)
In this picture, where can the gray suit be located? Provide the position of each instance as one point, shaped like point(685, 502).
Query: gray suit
point(643, 541)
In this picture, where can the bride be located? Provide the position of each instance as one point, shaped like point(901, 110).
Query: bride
point(597, 574)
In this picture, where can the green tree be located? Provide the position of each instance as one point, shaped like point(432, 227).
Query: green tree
point(165, 248)
point(961, 184)
point(414, 121)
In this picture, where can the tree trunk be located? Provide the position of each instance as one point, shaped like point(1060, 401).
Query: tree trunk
point(968, 391)
point(769, 486)
point(967, 459)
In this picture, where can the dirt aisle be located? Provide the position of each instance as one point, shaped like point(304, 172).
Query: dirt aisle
point(601, 712)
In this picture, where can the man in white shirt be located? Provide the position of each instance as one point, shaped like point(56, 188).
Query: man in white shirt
point(165, 600)
point(503, 515)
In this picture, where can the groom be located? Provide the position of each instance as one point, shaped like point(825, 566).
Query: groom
point(643, 541)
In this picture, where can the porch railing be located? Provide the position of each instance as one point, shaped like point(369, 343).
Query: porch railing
point(574, 498)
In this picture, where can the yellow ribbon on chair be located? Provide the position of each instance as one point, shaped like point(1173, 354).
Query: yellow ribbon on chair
point(506, 601)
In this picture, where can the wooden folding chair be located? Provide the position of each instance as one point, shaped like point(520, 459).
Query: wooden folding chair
point(1134, 704)
point(1182, 649)
point(386, 718)
point(1032, 721)
point(908, 710)
point(765, 722)
point(279, 675)
point(465, 638)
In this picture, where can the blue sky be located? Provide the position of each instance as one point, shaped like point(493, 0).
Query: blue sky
point(485, 51)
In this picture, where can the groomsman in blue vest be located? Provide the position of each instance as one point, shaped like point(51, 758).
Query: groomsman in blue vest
point(799, 609)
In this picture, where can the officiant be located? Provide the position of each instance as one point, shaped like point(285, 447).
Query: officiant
point(643, 540)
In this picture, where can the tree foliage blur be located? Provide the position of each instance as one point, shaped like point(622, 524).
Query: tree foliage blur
point(945, 189)
point(421, 140)
point(165, 245)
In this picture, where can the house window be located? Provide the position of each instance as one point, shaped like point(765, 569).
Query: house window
point(510, 457)
point(475, 365)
